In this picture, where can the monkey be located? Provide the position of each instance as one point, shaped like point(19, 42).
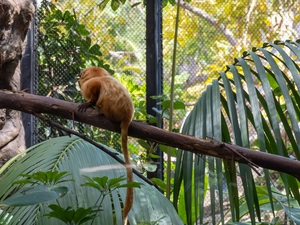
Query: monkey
point(100, 89)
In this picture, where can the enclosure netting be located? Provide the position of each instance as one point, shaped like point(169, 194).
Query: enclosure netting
point(72, 35)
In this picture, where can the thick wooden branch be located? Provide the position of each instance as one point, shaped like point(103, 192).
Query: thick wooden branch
point(29, 103)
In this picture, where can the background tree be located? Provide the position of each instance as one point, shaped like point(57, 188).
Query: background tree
point(210, 31)
point(15, 18)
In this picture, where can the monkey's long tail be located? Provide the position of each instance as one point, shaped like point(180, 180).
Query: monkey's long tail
point(129, 193)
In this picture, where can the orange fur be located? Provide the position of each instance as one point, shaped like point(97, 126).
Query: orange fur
point(110, 96)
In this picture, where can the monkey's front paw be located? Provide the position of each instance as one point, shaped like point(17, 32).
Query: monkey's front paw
point(82, 107)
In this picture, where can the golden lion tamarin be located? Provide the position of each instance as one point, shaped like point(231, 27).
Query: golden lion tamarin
point(112, 99)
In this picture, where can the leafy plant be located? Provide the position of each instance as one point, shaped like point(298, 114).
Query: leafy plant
point(65, 48)
point(90, 169)
point(39, 187)
point(166, 105)
point(48, 177)
point(256, 98)
point(106, 186)
point(32, 195)
point(43, 188)
point(71, 216)
point(6, 219)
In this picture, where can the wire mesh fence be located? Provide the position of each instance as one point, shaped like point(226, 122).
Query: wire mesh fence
point(73, 35)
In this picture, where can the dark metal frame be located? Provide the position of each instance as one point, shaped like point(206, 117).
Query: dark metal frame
point(154, 78)
point(29, 79)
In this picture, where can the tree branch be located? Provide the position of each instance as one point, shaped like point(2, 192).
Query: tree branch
point(103, 148)
point(29, 103)
point(213, 21)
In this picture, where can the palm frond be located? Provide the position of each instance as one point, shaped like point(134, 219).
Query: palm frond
point(254, 104)
point(78, 157)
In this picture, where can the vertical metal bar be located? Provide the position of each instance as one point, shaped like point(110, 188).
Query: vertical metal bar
point(28, 62)
point(154, 67)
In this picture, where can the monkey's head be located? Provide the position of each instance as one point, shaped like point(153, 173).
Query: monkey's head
point(92, 72)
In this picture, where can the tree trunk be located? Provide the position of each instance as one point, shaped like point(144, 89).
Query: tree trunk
point(15, 18)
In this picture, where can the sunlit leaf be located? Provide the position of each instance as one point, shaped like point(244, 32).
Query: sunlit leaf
point(115, 4)
point(161, 184)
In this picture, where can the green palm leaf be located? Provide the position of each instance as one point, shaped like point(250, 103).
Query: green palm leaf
point(79, 158)
point(253, 103)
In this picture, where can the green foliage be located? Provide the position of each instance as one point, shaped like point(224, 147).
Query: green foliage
point(159, 183)
point(66, 46)
point(95, 193)
point(115, 4)
point(146, 155)
point(71, 216)
point(165, 103)
point(65, 49)
point(281, 202)
point(43, 189)
point(106, 186)
point(48, 178)
point(164, 148)
point(205, 45)
point(32, 195)
point(6, 219)
point(172, 2)
point(242, 105)
point(216, 46)
point(39, 187)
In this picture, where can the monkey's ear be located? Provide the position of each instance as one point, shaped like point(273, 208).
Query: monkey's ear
point(82, 72)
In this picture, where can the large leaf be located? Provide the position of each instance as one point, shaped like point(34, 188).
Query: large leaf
point(35, 194)
point(78, 157)
point(254, 104)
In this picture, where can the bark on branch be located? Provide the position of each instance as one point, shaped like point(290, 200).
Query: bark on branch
point(29, 103)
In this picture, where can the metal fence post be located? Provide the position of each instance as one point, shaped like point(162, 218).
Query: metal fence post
point(28, 68)
point(154, 78)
